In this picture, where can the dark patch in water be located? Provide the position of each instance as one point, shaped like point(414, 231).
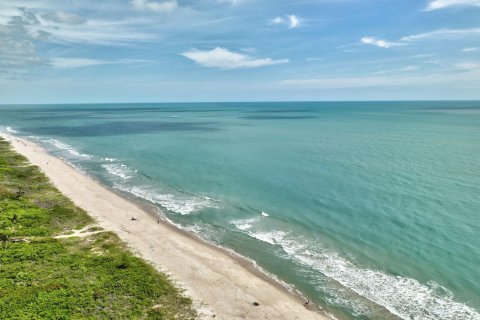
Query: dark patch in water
point(451, 108)
point(35, 115)
point(115, 108)
point(122, 128)
point(286, 110)
point(70, 116)
point(272, 117)
point(107, 111)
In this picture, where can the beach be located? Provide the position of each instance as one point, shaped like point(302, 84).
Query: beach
point(222, 284)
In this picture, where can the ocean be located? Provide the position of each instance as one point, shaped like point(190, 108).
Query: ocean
point(369, 209)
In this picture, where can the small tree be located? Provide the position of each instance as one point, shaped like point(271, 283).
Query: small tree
point(19, 194)
point(14, 219)
point(3, 239)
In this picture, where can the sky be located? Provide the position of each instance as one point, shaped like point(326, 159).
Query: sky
point(91, 51)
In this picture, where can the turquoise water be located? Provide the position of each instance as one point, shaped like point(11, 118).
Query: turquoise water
point(371, 209)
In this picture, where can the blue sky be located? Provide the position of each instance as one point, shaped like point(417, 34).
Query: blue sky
point(54, 51)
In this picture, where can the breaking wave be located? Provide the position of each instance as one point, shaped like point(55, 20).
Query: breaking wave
point(119, 170)
point(180, 204)
point(66, 147)
point(404, 297)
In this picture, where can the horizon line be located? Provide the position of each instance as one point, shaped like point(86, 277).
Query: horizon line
point(253, 101)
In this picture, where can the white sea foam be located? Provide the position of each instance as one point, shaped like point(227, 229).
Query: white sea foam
point(119, 170)
point(195, 229)
point(244, 224)
point(405, 297)
point(337, 297)
point(248, 226)
point(9, 129)
point(109, 159)
point(182, 205)
point(271, 237)
point(66, 147)
point(265, 214)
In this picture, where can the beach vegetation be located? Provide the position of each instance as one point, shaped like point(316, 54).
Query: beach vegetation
point(87, 277)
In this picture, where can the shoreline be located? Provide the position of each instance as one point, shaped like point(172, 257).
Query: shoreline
point(222, 283)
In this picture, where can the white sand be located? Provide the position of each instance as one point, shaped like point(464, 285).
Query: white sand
point(82, 233)
point(220, 284)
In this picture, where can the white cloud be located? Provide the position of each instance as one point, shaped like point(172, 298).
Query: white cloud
point(233, 2)
point(71, 63)
point(64, 27)
point(443, 34)
point(333, 83)
point(99, 32)
point(24, 27)
point(468, 77)
point(470, 49)
point(226, 59)
point(277, 20)
point(470, 65)
point(18, 53)
point(249, 50)
point(409, 68)
point(63, 17)
point(441, 4)
point(292, 21)
point(379, 43)
point(160, 7)
point(67, 63)
point(396, 71)
point(10, 9)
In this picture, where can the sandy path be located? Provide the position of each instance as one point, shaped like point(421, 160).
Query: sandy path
point(81, 233)
point(221, 285)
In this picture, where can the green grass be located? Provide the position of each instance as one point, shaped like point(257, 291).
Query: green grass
point(94, 277)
